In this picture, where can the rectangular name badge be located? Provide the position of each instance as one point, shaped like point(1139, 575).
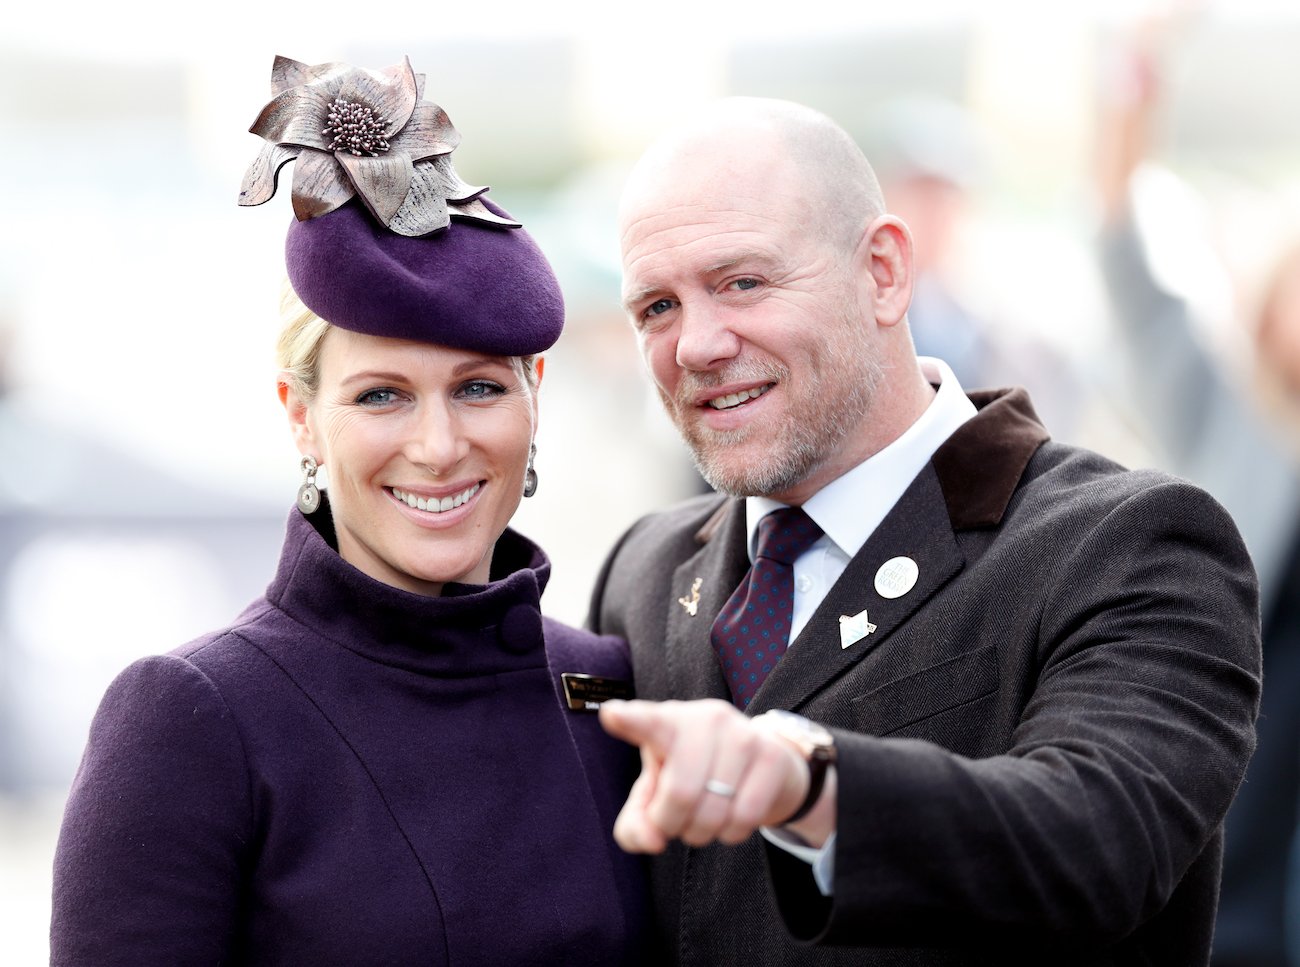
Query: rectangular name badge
point(584, 693)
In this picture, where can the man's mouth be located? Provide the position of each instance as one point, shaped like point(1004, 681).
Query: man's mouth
point(432, 504)
point(732, 400)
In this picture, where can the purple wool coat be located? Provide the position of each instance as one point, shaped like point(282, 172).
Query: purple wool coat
point(352, 774)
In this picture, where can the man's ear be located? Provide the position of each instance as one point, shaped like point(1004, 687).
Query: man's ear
point(296, 410)
point(887, 246)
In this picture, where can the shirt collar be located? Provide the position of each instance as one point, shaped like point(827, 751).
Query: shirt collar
point(849, 508)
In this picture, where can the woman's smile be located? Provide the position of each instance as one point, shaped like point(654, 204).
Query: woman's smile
point(436, 505)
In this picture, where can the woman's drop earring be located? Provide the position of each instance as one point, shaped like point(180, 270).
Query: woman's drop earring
point(308, 494)
point(530, 475)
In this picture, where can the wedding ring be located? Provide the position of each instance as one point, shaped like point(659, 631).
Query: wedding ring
point(719, 788)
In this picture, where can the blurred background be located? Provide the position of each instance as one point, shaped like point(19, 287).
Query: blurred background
point(1070, 175)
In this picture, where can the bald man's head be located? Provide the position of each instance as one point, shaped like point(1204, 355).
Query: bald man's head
point(739, 138)
point(769, 293)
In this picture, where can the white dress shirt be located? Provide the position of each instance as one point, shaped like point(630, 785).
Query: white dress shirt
point(848, 510)
point(851, 507)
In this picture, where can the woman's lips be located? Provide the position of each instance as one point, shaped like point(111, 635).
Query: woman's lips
point(434, 505)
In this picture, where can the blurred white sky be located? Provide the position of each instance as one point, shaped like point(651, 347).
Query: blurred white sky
point(134, 29)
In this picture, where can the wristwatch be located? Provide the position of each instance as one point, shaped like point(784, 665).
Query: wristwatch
point(810, 740)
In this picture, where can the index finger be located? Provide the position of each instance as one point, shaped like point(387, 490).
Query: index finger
point(639, 723)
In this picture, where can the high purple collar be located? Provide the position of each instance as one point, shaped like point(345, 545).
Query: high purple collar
point(471, 630)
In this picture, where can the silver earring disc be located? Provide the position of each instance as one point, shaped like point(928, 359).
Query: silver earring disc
point(308, 498)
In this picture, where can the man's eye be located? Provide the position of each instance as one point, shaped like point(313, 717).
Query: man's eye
point(659, 307)
point(745, 284)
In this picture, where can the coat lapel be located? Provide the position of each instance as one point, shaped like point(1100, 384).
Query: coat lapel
point(918, 528)
point(706, 580)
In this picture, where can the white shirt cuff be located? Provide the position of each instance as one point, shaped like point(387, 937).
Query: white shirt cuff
point(821, 860)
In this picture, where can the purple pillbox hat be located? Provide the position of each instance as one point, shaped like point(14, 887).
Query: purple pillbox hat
point(468, 286)
point(374, 248)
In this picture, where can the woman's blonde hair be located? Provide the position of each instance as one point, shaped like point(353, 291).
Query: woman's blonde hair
point(297, 352)
point(302, 333)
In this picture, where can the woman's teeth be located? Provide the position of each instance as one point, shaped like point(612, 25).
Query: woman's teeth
point(735, 399)
point(433, 505)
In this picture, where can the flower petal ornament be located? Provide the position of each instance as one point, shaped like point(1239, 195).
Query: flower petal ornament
point(365, 133)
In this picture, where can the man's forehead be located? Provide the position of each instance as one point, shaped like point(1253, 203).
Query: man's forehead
point(710, 212)
point(663, 263)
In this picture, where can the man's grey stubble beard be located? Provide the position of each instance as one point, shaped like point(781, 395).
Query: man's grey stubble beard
point(801, 445)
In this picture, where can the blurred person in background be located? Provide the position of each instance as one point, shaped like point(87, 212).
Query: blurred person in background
point(379, 761)
point(1235, 430)
point(1017, 683)
point(933, 160)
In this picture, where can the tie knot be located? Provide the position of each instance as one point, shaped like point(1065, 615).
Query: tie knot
point(785, 534)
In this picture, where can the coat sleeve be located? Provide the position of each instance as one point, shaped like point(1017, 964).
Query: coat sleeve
point(1203, 423)
point(1176, 388)
point(148, 863)
point(1129, 748)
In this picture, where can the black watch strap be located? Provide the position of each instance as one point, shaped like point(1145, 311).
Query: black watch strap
point(817, 767)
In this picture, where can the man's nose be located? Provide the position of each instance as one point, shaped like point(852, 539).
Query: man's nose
point(705, 338)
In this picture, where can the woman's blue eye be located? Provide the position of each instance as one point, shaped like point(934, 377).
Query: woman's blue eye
point(377, 397)
point(481, 389)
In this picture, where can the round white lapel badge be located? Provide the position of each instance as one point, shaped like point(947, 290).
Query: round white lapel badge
point(896, 577)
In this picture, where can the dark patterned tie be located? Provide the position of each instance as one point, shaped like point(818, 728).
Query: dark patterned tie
point(752, 630)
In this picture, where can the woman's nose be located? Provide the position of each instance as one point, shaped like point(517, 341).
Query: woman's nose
point(436, 439)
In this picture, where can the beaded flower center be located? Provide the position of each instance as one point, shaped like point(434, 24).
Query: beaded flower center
point(356, 128)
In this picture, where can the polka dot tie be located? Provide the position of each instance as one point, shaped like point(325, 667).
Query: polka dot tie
point(752, 631)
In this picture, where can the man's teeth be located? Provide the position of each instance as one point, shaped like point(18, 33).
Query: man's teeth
point(735, 399)
point(434, 505)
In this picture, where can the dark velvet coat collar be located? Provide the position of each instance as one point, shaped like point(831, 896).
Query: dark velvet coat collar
point(981, 464)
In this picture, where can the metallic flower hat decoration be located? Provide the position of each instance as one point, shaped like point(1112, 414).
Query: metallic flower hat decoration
point(373, 191)
point(367, 134)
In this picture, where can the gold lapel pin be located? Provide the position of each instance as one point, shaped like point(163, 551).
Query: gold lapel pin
point(692, 604)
